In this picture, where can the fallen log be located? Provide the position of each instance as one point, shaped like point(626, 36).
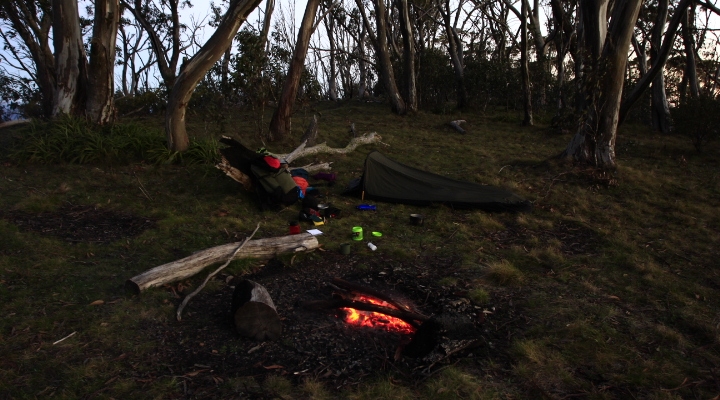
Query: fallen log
point(254, 313)
point(456, 125)
point(193, 264)
point(210, 275)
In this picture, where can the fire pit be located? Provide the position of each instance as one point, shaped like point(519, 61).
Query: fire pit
point(327, 344)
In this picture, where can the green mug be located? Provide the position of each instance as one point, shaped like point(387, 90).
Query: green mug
point(357, 233)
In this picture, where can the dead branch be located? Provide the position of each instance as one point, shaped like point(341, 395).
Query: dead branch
point(14, 122)
point(323, 148)
point(456, 125)
point(222, 267)
point(234, 174)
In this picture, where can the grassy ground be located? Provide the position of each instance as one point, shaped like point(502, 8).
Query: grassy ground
point(619, 277)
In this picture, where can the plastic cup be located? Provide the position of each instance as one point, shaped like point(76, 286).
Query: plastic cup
point(357, 233)
point(345, 249)
point(416, 219)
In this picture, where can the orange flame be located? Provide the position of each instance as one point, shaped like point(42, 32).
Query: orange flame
point(376, 320)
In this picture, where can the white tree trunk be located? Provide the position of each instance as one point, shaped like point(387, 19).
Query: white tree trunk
point(195, 70)
point(70, 59)
point(100, 107)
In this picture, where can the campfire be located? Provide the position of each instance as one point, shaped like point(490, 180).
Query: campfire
point(377, 320)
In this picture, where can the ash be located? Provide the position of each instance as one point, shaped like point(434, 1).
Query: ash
point(320, 345)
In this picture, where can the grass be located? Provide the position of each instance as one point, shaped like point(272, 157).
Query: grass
point(617, 283)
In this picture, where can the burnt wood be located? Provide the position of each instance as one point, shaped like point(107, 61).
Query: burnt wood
point(360, 289)
point(254, 313)
point(407, 316)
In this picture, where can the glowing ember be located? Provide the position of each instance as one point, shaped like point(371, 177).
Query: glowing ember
point(376, 320)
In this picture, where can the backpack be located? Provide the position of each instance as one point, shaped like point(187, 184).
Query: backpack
point(278, 185)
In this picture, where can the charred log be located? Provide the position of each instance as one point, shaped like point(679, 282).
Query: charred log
point(254, 313)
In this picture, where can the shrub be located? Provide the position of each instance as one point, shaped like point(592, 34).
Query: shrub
point(699, 119)
point(76, 141)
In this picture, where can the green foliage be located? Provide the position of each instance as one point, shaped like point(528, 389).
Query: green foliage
point(76, 141)
point(492, 83)
point(149, 102)
point(699, 119)
point(438, 80)
point(18, 96)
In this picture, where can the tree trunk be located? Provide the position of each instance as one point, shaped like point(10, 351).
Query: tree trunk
point(688, 25)
point(254, 313)
point(660, 110)
point(281, 123)
point(362, 64)
point(33, 27)
point(385, 67)
point(70, 59)
point(524, 69)
point(269, 8)
point(189, 266)
point(332, 79)
point(195, 69)
point(663, 55)
point(456, 55)
point(410, 89)
point(100, 107)
point(594, 142)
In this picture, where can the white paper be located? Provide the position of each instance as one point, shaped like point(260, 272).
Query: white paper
point(314, 232)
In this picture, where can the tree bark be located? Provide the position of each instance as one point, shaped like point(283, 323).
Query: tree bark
point(594, 142)
point(70, 59)
point(33, 26)
point(384, 64)
point(456, 55)
point(281, 123)
point(332, 79)
point(100, 107)
point(362, 64)
point(663, 55)
point(524, 68)
point(195, 69)
point(267, 19)
point(688, 25)
point(254, 313)
point(386, 70)
point(194, 264)
point(410, 89)
point(660, 110)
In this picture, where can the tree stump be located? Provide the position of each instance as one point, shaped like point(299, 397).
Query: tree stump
point(254, 313)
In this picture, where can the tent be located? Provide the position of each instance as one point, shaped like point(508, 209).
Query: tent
point(386, 180)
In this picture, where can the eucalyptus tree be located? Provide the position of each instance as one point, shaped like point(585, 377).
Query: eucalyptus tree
point(133, 43)
point(379, 41)
point(68, 83)
point(196, 67)
point(161, 21)
point(281, 123)
point(606, 47)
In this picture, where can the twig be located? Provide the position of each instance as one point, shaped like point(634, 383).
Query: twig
point(142, 188)
point(64, 338)
point(504, 168)
point(191, 295)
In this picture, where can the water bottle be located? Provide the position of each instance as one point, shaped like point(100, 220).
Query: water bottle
point(366, 207)
point(372, 246)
